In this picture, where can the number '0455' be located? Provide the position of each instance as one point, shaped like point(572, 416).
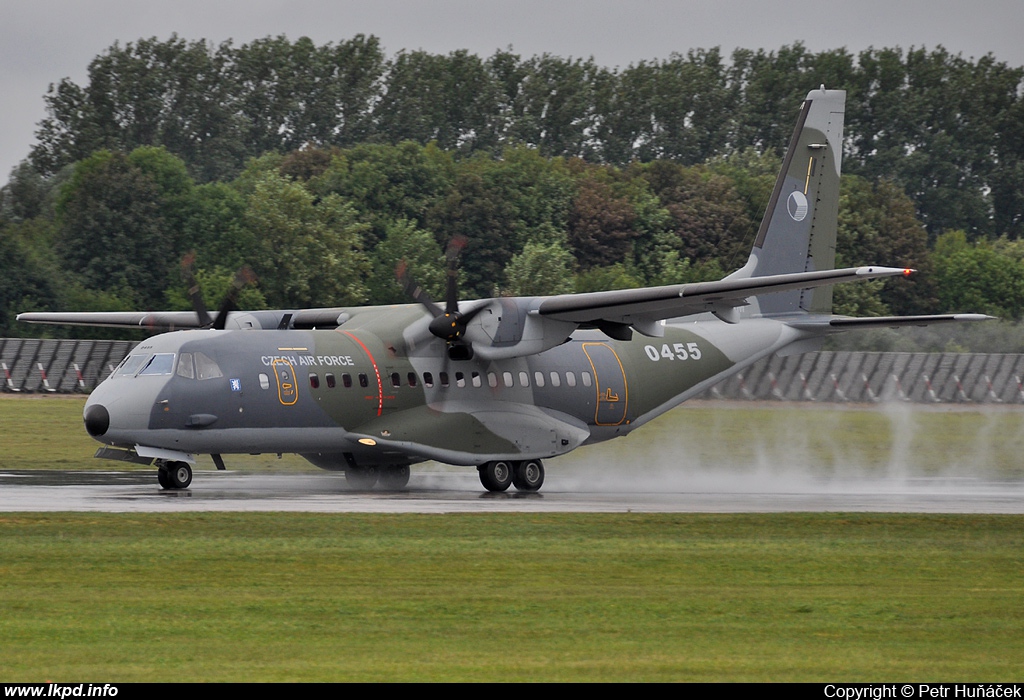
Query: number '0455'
point(676, 351)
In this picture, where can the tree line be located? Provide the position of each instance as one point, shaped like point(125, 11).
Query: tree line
point(322, 166)
point(948, 130)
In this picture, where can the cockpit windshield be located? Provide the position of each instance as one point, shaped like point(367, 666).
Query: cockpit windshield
point(130, 365)
point(147, 364)
point(161, 363)
point(190, 365)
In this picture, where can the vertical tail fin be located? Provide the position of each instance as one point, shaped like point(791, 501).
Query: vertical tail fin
point(798, 232)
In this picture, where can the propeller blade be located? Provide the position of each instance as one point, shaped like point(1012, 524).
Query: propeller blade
point(452, 253)
point(195, 294)
point(414, 290)
point(244, 277)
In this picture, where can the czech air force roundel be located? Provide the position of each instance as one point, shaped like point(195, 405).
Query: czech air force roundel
point(796, 205)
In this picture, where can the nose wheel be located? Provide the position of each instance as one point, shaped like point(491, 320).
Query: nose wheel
point(174, 476)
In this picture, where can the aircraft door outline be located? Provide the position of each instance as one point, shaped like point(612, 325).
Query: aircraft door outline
point(609, 383)
point(287, 384)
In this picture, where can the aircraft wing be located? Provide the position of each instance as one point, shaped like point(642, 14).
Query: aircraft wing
point(641, 307)
point(160, 321)
point(146, 320)
point(612, 311)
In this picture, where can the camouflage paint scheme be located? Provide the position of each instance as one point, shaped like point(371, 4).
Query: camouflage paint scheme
point(467, 422)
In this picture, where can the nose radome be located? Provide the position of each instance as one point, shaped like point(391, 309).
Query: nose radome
point(97, 420)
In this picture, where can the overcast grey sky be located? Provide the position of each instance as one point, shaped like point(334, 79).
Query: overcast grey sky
point(43, 41)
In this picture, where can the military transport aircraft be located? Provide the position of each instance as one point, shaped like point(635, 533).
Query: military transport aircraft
point(497, 384)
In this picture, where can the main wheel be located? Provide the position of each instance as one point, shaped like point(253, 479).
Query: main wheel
point(179, 475)
point(496, 476)
point(163, 478)
point(395, 477)
point(528, 475)
point(361, 478)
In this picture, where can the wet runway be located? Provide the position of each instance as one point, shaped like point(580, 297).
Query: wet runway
point(460, 492)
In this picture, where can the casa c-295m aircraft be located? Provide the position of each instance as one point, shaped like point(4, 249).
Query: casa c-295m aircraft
point(497, 384)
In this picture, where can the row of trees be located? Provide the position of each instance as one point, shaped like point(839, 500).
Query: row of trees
point(948, 130)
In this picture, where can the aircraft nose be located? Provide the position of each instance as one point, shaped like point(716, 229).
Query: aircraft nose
point(97, 420)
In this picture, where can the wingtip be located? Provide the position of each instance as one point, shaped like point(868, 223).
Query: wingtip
point(880, 271)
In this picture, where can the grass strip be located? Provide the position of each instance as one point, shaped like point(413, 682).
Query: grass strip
point(510, 597)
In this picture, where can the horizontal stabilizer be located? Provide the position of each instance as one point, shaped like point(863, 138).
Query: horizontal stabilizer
point(897, 321)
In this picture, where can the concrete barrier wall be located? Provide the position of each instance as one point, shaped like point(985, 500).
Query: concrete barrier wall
point(867, 377)
point(65, 366)
point(31, 365)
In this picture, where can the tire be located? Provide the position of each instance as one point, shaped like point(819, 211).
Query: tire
point(362, 478)
point(179, 475)
point(394, 477)
point(528, 475)
point(162, 478)
point(496, 476)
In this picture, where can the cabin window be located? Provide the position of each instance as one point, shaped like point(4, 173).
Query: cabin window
point(364, 381)
point(586, 378)
point(507, 377)
point(412, 378)
point(346, 380)
point(185, 367)
point(524, 379)
point(314, 380)
point(570, 378)
point(428, 380)
point(396, 379)
point(492, 380)
point(477, 382)
point(460, 379)
point(538, 378)
point(264, 381)
point(555, 379)
point(331, 383)
point(444, 378)
point(206, 368)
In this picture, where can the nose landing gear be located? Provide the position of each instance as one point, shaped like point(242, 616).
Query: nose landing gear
point(174, 476)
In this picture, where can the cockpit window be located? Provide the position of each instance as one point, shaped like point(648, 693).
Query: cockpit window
point(185, 367)
point(206, 368)
point(160, 363)
point(131, 365)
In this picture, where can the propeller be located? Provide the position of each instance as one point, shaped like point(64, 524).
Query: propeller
point(449, 324)
point(243, 277)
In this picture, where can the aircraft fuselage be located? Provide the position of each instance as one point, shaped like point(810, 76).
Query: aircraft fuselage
point(354, 396)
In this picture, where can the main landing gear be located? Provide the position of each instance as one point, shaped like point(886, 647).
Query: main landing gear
point(498, 475)
point(174, 476)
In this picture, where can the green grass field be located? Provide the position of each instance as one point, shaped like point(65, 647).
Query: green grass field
point(577, 597)
point(591, 597)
